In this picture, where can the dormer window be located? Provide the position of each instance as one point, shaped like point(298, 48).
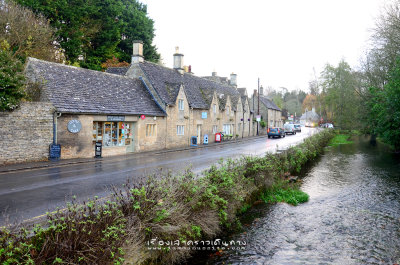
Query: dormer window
point(215, 108)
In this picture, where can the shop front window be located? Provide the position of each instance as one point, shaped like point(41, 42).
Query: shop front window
point(112, 133)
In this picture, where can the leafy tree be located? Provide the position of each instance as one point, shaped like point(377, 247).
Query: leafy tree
point(309, 102)
point(22, 34)
point(340, 98)
point(136, 26)
point(11, 80)
point(384, 109)
point(90, 32)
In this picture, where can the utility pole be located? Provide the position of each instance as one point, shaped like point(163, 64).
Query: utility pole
point(258, 103)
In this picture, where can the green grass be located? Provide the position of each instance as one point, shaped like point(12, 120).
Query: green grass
point(340, 139)
point(279, 193)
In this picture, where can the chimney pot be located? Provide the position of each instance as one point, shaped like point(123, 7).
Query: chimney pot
point(137, 54)
point(233, 80)
point(178, 61)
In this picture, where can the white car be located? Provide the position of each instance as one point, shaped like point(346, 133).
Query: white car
point(329, 125)
point(289, 128)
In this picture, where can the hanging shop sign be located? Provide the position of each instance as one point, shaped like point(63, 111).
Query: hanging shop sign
point(115, 118)
point(74, 126)
point(142, 117)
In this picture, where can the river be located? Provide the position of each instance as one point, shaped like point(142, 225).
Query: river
point(352, 217)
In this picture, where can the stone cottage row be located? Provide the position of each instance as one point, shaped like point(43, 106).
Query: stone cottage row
point(138, 108)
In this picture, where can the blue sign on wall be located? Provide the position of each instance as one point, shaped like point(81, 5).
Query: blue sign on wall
point(204, 115)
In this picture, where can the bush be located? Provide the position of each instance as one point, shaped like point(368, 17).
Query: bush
point(11, 81)
point(133, 224)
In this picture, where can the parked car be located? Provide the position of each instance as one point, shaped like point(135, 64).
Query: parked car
point(289, 128)
point(276, 132)
point(297, 127)
point(329, 125)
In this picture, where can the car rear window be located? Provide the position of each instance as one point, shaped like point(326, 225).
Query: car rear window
point(273, 130)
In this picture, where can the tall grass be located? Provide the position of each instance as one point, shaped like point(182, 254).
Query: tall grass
point(161, 207)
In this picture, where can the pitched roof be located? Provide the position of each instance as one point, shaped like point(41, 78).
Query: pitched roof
point(117, 70)
point(198, 90)
point(269, 103)
point(310, 115)
point(77, 90)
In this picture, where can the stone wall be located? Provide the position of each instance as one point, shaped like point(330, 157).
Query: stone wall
point(26, 133)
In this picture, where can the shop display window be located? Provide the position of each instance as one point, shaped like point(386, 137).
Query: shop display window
point(112, 133)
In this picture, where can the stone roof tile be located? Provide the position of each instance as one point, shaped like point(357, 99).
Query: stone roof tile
point(77, 90)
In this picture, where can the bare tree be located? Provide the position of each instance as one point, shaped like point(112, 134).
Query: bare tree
point(25, 33)
point(385, 44)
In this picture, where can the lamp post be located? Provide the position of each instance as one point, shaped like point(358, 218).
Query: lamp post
point(258, 104)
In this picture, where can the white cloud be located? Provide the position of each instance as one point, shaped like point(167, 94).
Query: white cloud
point(278, 41)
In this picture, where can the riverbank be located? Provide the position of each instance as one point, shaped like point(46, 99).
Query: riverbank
point(352, 216)
point(158, 219)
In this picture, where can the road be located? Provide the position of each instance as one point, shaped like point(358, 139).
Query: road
point(26, 194)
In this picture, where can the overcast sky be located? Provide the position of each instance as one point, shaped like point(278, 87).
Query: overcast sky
point(278, 41)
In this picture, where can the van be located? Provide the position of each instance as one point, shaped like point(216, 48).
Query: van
point(289, 128)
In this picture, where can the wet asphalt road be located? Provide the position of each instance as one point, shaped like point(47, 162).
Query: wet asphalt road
point(26, 194)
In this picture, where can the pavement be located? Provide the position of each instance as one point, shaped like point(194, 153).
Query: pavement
point(62, 162)
point(29, 190)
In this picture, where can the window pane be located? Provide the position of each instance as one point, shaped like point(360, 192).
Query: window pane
point(107, 134)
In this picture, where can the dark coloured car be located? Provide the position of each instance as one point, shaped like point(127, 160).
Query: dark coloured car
point(276, 132)
point(297, 127)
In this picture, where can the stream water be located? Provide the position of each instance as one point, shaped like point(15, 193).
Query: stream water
point(352, 217)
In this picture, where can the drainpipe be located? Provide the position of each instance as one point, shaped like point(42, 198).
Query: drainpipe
point(166, 125)
point(243, 123)
point(55, 116)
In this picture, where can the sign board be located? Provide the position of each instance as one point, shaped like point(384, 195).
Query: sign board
point(142, 117)
point(290, 118)
point(204, 115)
point(55, 151)
point(115, 118)
point(74, 126)
point(258, 118)
point(97, 149)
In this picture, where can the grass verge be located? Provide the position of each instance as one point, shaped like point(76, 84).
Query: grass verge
point(144, 219)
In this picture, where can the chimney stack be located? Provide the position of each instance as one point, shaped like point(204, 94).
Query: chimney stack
point(233, 80)
point(255, 93)
point(137, 54)
point(178, 61)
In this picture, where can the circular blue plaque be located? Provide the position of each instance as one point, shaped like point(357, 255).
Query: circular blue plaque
point(74, 126)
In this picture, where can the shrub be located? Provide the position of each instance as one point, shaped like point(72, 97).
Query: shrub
point(160, 208)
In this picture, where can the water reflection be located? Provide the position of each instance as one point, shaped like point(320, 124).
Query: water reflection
point(353, 216)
